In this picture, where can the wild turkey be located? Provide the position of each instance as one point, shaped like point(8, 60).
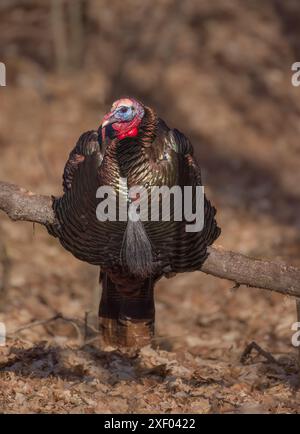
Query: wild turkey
point(134, 145)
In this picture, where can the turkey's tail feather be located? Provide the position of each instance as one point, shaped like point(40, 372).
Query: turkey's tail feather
point(126, 315)
point(136, 250)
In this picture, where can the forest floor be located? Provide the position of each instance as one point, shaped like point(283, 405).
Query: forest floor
point(203, 324)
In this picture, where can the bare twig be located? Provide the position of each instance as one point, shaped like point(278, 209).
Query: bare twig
point(235, 287)
point(254, 346)
point(20, 204)
point(45, 322)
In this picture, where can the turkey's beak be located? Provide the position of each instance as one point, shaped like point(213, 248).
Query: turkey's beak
point(109, 119)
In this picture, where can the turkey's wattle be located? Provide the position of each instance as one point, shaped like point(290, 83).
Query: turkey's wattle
point(133, 255)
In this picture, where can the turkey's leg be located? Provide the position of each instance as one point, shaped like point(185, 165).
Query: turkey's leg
point(126, 318)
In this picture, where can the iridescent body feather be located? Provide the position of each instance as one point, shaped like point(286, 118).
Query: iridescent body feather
point(132, 258)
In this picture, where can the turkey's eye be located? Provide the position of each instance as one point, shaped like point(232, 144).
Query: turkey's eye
point(124, 109)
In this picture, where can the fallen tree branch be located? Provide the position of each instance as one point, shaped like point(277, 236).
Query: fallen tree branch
point(258, 273)
point(20, 204)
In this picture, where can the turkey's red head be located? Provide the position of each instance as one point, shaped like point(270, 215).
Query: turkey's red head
point(125, 117)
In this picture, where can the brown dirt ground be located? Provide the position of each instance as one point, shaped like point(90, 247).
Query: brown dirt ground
point(225, 82)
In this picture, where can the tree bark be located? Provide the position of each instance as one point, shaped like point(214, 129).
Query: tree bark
point(20, 204)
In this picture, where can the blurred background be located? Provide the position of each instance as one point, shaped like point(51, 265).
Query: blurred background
point(221, 73)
